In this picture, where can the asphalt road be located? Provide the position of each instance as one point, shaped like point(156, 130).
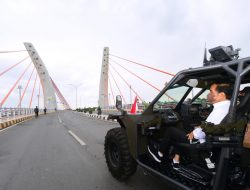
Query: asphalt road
point(61, 151)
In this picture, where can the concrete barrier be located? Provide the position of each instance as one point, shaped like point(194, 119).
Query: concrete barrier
point(13, 121)
point(101, 117)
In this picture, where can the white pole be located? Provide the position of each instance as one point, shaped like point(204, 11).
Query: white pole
point(76, 87)
point(38, 100)
point(20, 95)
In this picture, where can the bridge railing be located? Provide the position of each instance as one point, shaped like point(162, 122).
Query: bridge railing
point(112, 109)
point(9, 113)
point(125, 106)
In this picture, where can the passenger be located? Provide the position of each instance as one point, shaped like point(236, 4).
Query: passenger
point(219, 96)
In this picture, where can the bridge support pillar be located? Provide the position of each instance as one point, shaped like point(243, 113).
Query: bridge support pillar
point(48, 90)
point(103, 101)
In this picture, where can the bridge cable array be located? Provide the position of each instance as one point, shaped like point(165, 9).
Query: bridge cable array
point(129, 85)
point(112, 62)
point(110, 86)
point(60, 96)
point(118, 87)
point(12, 88)
point(159, 70)
point(33, 89)
point(27, 84)
point(5, 71)
point(14, 51)
point(3, 101)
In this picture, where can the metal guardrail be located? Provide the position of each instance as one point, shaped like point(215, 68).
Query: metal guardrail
point(9, 113)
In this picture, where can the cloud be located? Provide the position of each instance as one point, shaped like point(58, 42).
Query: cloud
point(70, 36)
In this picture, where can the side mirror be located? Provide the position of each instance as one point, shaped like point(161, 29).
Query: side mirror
point(118, 102)
point(192, 82)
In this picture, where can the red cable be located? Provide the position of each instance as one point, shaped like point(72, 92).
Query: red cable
point(12, 51)
point(127, 83)
point(117, 87)
point(5, 98)
point(13, 66)
point(136, 75)
point(144, 65)
point(140, 78)
point(26, 87)
point(33, 91)
point(112, 91)
point(59, 94)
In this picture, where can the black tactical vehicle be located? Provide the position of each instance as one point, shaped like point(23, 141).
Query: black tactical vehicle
point(222, 162)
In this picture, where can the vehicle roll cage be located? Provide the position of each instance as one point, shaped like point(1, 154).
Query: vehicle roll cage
point(235, 68)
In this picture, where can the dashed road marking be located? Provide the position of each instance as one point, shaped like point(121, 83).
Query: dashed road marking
point(77, 138)
point(60, 121)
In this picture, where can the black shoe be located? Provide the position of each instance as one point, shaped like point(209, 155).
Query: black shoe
point(154, 153)
point(195, 141)
point(176, 166)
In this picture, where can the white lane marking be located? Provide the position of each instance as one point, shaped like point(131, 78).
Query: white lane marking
point(77, 138)
point(60, 121)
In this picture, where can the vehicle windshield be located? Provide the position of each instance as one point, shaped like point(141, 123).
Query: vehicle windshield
point(173, 96)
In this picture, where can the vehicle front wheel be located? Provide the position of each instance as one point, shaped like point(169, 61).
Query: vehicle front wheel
point(118, 158)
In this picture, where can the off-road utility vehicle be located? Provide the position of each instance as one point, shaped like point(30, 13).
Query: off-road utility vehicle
point(222, 162)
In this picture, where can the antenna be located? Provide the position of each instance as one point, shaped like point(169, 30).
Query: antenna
point(205, 61)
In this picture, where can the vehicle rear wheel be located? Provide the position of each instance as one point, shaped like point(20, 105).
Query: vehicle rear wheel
point(118, 158)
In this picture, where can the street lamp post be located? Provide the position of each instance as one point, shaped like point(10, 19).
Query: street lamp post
point(80, 101)
point(20, 96)
point(38, 100)
point(109, 102)
point(76, 87)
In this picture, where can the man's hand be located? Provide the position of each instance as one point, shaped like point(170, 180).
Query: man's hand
point(190, 136)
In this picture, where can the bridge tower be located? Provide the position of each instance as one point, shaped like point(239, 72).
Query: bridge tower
point(103, 85)
point(48, 90)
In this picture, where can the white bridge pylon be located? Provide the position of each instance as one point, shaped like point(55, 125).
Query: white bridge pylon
point(48, 89)
point(103, 88)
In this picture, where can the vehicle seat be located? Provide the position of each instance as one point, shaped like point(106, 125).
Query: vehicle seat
point(244, 106)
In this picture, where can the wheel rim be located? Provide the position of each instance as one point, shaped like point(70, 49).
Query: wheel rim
point(114, 154)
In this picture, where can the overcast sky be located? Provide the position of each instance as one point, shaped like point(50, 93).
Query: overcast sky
point(70, 35)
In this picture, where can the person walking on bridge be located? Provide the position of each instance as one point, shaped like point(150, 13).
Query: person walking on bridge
point(45, 110)
point(36, 110)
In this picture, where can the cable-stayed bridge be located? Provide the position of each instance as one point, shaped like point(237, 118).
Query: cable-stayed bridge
point(113, 81)
point(118, 76)
point(39, 88)
point(62, 149)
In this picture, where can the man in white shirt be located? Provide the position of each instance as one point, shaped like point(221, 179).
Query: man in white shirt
point(219, 96)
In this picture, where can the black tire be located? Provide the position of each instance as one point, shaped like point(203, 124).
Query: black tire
point(118, 158)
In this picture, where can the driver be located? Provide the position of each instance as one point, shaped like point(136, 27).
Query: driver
point(219, 96)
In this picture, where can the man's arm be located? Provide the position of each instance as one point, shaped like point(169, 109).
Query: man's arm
point(211, 129)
